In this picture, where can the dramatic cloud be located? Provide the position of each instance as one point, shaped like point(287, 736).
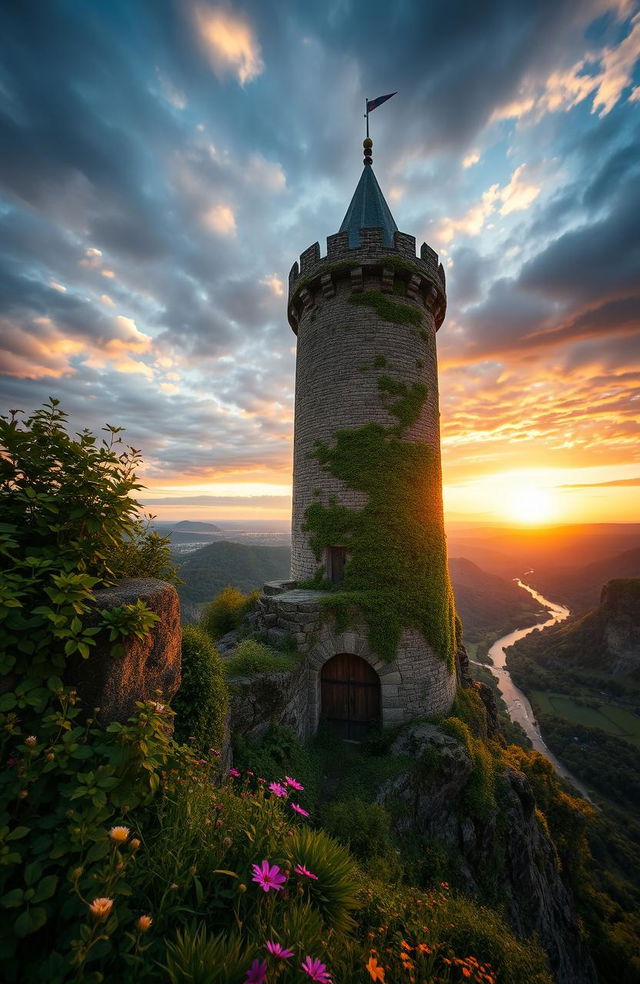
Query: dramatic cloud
point(163, 165)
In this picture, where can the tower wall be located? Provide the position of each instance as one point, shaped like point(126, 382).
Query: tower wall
point(344, 349)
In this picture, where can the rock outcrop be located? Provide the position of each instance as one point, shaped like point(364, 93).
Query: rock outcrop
point(147, 667)
point(506, 842)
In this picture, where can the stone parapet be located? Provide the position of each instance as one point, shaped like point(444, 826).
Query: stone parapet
point(316, 275)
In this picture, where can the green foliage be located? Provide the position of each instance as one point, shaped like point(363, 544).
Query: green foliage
point(409, 403)
point(201, 703)
point(396, 573)
point(251, 657)
point(227, 611)
point(335, 893)
point(196, 957)
point(144, 554)
point(478, 798)
point(61, 789)
point(364, 827)
point(388, 310)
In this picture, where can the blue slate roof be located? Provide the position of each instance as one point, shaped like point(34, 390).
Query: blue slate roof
point(368, 210)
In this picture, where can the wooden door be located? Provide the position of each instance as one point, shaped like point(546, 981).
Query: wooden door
point(336, 560)
point(350, 695)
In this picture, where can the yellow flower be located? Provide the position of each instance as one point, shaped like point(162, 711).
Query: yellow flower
point(134, 844)
point(100, 908)
point(119, 834)
point(376, 972)
point(144, 923)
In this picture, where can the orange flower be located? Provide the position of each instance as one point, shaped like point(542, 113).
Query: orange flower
point(424, 948)
point(406, 946)
point(376, 972)
point(100, 908)
point(144, 923)
point(119, 834)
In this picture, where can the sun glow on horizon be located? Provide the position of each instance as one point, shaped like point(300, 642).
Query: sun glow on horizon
point(529, 505)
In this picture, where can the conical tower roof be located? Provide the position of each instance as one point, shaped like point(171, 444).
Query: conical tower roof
point(368, 210)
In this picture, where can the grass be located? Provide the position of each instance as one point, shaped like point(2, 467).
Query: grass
point(612, 719)
point(251, 657)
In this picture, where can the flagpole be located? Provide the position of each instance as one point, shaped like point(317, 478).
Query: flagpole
point(366, 115)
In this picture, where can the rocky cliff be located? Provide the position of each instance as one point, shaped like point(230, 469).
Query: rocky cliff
point(490, 826)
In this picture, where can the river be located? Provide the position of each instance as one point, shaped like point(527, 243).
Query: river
point(518, 706)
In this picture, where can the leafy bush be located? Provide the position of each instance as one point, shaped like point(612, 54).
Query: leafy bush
point(201, 703)
point(226, 612)
point(251, 657)
point(364, 827)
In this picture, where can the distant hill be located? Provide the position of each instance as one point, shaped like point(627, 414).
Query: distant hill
point(509, 552)
point(489, 605)
point(192, 526)
point(580, 587)
point(207, 570)
point(486, 603)
point(606, 639)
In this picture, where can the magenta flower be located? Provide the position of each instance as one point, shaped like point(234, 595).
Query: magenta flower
point(298, 809)
point(293, 783)
point(301, 870)
point(278, 950)
point(277, 789)
point(316, 970)
point(257, 973)
point(234, 773)
point(268, 876)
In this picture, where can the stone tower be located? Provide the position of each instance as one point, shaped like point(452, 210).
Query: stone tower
point(372, 603)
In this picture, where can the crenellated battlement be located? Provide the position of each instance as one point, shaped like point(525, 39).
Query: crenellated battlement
point(422, 275)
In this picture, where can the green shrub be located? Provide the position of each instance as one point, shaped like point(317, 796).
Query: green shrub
point(202, 701)
point(364, 827)
point(226, 612)
point(251, 657)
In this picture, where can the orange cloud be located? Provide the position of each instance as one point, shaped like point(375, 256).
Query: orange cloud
point(220, 219)
point(229, 43)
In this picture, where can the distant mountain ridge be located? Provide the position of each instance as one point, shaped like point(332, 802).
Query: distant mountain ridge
point(580, 587)
point(486, 603)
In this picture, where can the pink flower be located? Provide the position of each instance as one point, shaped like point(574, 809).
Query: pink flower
point(260, 779)
point(234, 773)
point(298, 809)
point(293, 783)
point(316, 970)
point(278, 950)
point(277, 789)
point(257, 973)
point(268, 876)
point(301, 870)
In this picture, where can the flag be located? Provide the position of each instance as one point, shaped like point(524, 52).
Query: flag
point(374, 103)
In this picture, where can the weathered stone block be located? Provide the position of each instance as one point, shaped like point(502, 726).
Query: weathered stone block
point(148, 665)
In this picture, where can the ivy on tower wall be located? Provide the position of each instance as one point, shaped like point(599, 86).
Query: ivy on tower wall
point(396, 573)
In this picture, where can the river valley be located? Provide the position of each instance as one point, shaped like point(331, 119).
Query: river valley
point(518, 705)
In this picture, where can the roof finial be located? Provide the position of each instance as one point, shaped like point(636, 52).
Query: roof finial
point(367, 143)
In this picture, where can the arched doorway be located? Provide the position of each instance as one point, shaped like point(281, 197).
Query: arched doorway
point(350, 695)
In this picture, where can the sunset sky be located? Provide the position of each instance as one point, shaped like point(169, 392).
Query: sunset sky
point(164, 163)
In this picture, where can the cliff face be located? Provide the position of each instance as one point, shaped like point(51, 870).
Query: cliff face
point(620, 610)
point(502, 842)
point(605, 639)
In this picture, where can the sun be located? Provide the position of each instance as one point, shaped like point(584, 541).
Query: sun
point(529, 504)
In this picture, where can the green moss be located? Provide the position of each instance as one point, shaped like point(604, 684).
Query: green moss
point(409, 401)
point(380, 361)
point(396, 574)
point(388, 310)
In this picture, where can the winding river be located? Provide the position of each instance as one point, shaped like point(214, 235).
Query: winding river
point(518, 706)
